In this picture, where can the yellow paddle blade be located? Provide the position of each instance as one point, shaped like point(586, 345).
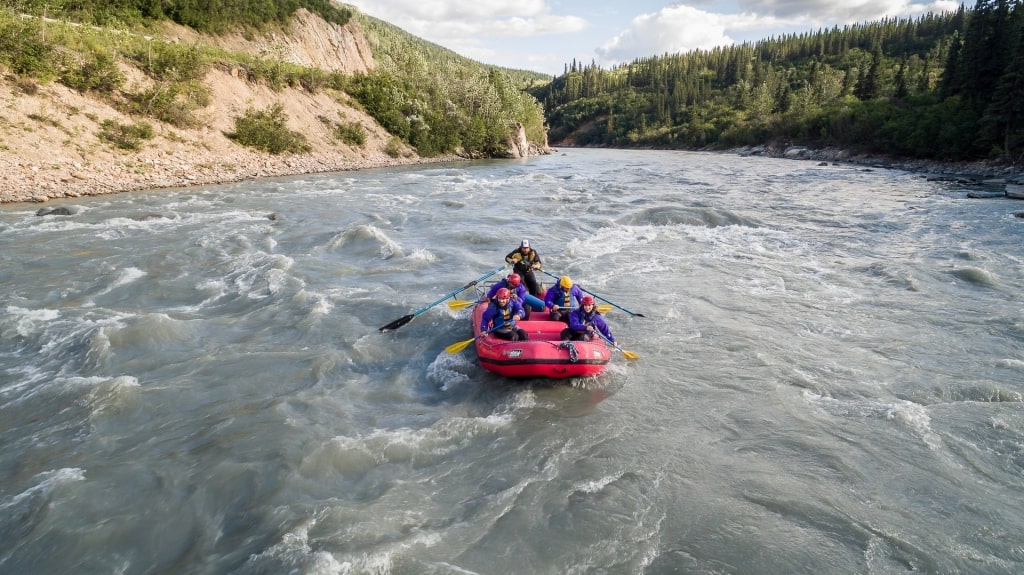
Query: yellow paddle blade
point(604, 308)
point(457, 347)
point(629, 354)
point(459, 304)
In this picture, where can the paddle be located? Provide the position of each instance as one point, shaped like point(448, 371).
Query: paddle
point(407, 318)
point(457, 347)
point(602, 299)
point(625, 354)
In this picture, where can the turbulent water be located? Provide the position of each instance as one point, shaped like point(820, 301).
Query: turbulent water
point(829, 378)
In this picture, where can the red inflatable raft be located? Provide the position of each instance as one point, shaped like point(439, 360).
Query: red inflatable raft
point(543, 355)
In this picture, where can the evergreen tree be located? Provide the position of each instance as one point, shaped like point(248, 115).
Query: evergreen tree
point(901, 80)
point(1003, 123)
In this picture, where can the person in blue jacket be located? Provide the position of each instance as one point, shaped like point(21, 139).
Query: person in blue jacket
point(515, 285)
point(584, 321)
point(562, 298)
point(501, 315)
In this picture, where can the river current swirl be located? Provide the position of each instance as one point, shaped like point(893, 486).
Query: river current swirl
point(829, 379)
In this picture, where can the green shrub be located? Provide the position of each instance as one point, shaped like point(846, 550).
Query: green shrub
point(44, 119)
point(394, 148)
point(171, 62)
point(23, 47)
point(98, 73)
point(312, 80)
point(267, 130)
point(351, 133)
point(174, 103)
point(125, 136)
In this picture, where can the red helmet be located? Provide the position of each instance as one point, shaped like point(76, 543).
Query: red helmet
point(514, 280)
point(503, 293)
point(587, 300)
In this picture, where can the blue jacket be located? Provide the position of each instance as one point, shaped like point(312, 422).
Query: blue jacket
point(557, 295)
point(502, 316)
point(518, 292)
point(579, 320)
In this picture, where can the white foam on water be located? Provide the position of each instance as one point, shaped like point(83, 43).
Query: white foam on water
point(127, 276)
point(294, 554)
point(422, 254)
point(911, 415)
point(318, 304)
point(260, 275)
point(365, 239)
point(44, 483)
point(30, 322)
point(360, 453)
point(1010, 363)
point(451, 371)
point(112, 395)
point(596, 485)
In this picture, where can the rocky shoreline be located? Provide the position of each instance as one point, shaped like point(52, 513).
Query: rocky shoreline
point(43, 181)
point(968, 172)
point(46, 180)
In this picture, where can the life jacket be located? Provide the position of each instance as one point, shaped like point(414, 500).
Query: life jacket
point(528, 259)
point(567, 298)
point(504, 312)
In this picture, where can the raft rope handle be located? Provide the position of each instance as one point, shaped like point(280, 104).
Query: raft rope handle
point(574, 355)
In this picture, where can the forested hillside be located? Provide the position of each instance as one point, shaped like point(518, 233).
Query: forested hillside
point(435, 99)
point(427, 97)
point(942, 86)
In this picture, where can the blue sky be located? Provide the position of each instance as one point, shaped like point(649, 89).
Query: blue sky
point(543, 35)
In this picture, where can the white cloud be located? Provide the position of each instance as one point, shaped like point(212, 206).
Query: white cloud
point(448, 21)
point(672, 29)
point(548, 33)
point(680, 28)
point(829, 12)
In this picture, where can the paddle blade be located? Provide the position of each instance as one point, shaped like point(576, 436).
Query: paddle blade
point(604, 309)
point(459, 304)
point(629, 354)
point(397, 323)
point(457, 347)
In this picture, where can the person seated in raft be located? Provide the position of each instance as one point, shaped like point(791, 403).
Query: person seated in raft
point(515, 285)
point(501, 315)
point(524, 260)
point(562, 298)
point(584, 321)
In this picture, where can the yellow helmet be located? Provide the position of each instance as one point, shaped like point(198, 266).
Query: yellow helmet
point(565, 282)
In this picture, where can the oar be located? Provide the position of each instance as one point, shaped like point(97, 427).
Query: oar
point(602, 299)
point(457, 347)
point(407, 318)
point(625, 354)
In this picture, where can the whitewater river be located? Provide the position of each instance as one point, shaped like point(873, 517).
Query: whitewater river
point(830, 375)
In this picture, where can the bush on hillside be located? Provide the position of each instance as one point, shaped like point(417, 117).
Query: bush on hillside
point(98, 73)
point(174, 103)
point(23, 48)
point(125, 136)
point(267, 130)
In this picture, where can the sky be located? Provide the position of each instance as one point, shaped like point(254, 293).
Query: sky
point(545, 35)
